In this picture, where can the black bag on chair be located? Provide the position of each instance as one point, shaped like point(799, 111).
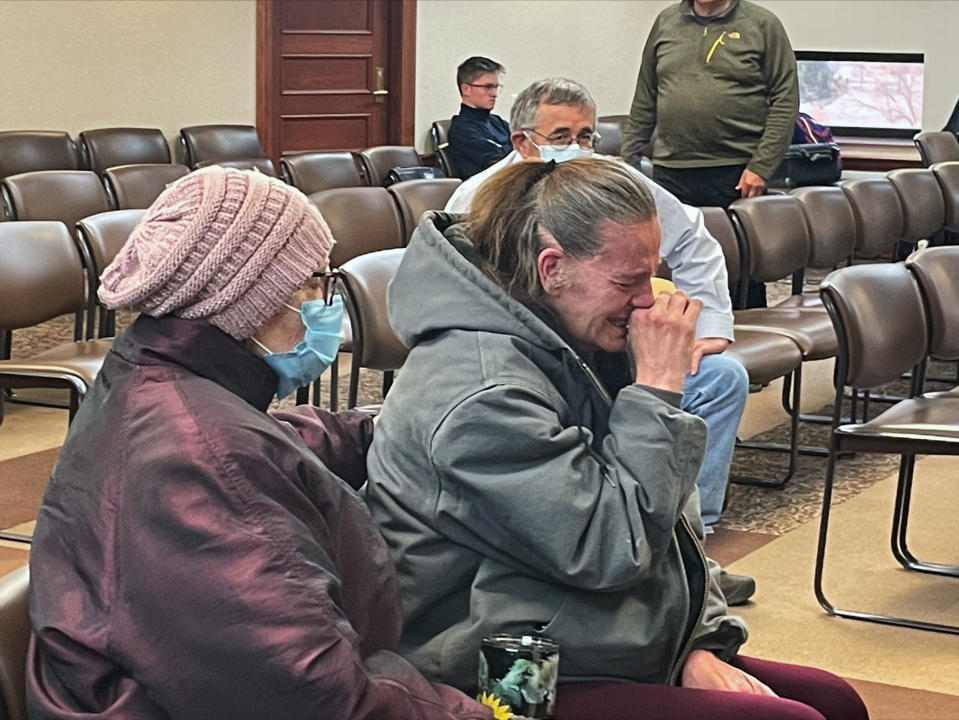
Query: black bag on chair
point(418, 172)
point(808, 164)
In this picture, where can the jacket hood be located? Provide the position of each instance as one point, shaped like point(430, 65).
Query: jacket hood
point(438, 288)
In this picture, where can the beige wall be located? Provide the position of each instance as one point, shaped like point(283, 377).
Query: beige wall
point(79, 64)
point(599, 42)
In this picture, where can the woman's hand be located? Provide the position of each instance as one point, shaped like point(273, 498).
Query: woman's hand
point(705, 671)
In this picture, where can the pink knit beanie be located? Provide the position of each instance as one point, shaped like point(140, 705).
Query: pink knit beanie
point(224, 244)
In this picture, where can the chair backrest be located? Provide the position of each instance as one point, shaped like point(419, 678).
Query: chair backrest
point(879, 318)
point(220, 142)
point(29, 150)
point(610, 136)
point(362, 219)
point(937, 271)
point(104, 148)
point(947, 175)
point(923, 207)
point(14, 640)
point(64, 195)
point(832, 226)
point(439, 132)
point(447, 163)
point(378, 161)
point(105, 234)
point(721, 227)
point(315, 171)
point(366, 278)
point(774, 234)
point(878, 215)
point(936, 147)
point(260, 164)
point(415, 197)
point(42, 273)
point(137, 186)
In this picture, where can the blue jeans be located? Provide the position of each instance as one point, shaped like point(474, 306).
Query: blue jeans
point(717, 394)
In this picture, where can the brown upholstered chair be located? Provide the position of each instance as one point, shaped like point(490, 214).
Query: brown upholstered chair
point(30, 150)
point(444, 158)
point(375, 345)
point(103, 236)
point(766, 355)
point(14, 640)
point(415, 197)
point(610, 131)
point(378, 161)
point(64, 195)
point(877, 213)
point(936, 147)
point(137, 186)
point(43, 278)
point(220, 142)
point(936, 270)
point(439, 132)
point(314, 171)
point(260, 164)
point(879, 316)
point(947, 175)
point(923, 206)
point(104, 148)
point(832, 236)
point(362, 220)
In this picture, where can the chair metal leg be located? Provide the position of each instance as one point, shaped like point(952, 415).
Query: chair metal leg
point(15, 537)
point(826, 604)
point(792, 447)
point(354, 382)
point(900, 521)
point(334, 383)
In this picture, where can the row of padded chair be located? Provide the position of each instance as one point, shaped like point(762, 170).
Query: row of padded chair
point(890, 319)
point(814, 228)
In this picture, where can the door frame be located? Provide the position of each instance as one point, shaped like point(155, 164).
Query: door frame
point(401, 74)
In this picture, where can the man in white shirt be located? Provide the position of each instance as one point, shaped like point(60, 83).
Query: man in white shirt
point(554, 119)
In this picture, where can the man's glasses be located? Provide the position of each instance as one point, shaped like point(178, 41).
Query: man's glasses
point(587, 138)
point(332, 277)
point(488, 87)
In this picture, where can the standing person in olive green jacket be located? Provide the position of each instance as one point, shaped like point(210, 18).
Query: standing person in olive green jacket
point(718, 84)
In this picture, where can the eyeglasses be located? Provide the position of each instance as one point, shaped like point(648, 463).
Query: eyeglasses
point(332, 277)
point(587, 138)
point(488, 87)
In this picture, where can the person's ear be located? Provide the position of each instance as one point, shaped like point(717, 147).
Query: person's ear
point(523, 146)
point(549, 266)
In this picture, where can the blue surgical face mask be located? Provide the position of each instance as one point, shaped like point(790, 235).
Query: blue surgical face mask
point(561, 153)
point(315, 352)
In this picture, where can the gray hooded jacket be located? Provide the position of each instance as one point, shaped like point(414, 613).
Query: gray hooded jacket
point(516, 495)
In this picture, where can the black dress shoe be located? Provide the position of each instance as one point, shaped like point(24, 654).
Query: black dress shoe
point(737, 588)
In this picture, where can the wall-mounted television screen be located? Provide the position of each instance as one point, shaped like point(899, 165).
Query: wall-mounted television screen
point(869, 94)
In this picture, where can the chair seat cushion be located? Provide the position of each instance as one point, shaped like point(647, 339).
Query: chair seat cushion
point(927, 425)
point(77, 359)
point(765, 355)
point(811, 330)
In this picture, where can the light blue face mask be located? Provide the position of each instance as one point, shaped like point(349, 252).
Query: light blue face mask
point(561, 153)
point(315, 352)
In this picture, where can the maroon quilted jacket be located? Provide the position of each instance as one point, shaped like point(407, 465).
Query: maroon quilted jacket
point(196, 557)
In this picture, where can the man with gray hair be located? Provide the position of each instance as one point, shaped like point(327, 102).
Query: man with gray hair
point(554, 119)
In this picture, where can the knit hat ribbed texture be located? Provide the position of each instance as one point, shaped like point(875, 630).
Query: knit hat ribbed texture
point(220, 243)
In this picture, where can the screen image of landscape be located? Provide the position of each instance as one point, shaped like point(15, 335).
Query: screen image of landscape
point(869, 93)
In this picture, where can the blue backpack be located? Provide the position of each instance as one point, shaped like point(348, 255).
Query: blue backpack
point(808, 132)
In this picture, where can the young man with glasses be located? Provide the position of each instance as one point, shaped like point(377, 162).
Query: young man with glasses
point(554, 119)
point(477, 137)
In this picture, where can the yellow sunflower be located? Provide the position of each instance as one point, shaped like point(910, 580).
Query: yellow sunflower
point(500, 711)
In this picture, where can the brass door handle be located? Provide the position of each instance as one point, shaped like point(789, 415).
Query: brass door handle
point(379, 85)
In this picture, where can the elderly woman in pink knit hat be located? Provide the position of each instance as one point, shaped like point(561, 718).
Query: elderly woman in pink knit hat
point(195, 556)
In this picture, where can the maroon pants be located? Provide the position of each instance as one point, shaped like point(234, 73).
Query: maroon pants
point(805, 693)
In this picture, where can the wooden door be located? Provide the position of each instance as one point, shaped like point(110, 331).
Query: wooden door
point(335, 74)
